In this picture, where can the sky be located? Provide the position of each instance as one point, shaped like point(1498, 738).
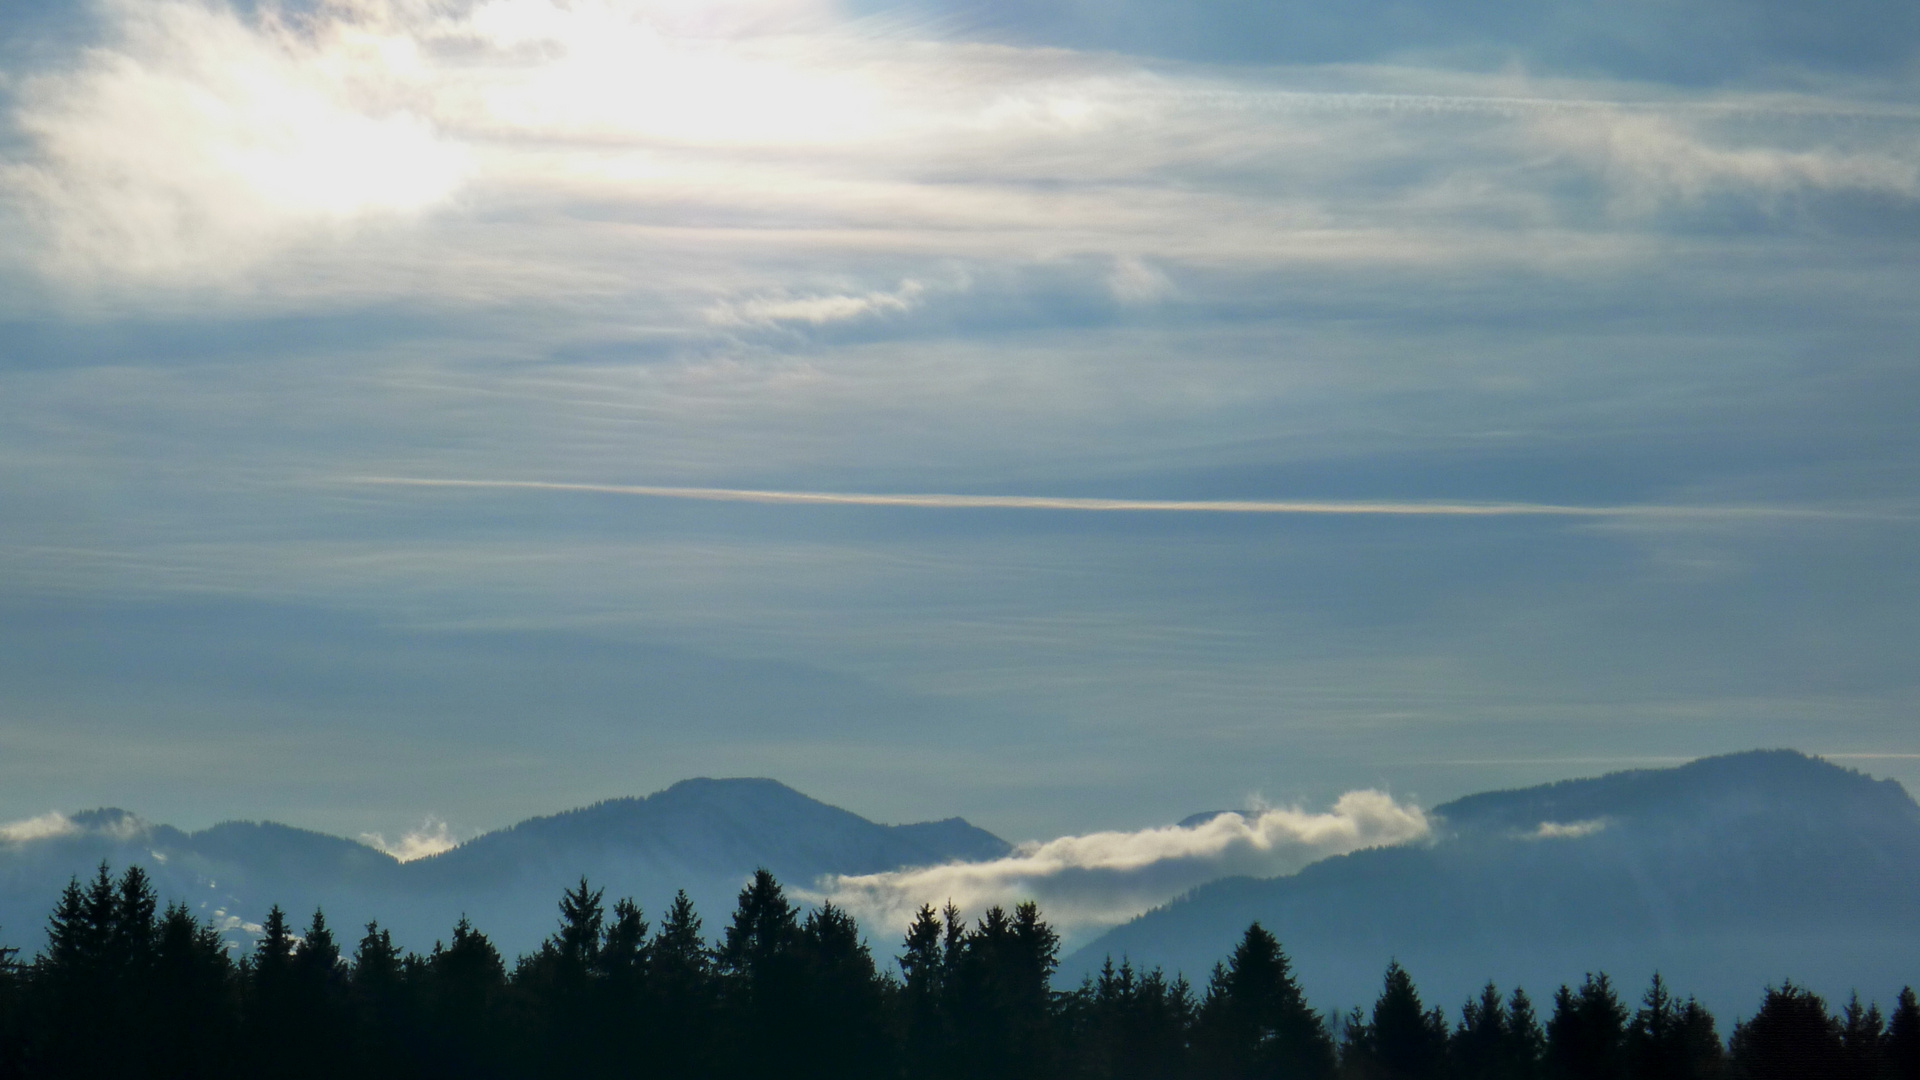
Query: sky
point(1070, 416)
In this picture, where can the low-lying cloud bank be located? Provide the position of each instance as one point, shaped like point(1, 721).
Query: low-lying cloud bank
point(1086, 883)
point(431, 838)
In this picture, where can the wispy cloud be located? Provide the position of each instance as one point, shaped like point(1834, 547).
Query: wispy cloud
point(1101, 879)
point(1164, 506)
point(819, 310)
point(1568, 830)
point(46, 826)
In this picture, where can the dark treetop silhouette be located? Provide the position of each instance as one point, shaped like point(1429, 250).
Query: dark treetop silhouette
point(125, 989)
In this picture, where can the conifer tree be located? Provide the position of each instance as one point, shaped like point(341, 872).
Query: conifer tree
point(1528, 1042)
point(1862, 1040)
point(380, 1007)
point(763, 981)
point(1133, 1027)
point(681, 993)
point(194, 1002)
point(464, 984)
point(1670, 1039)
point(1255, 1021)
point(844, 1032)
point(272, 1007)
point(1903, 1037)
point(1792, 1036)
point(999, 995)
point(619, 998)
point(923, 970)
point(1586, 1036)
point(560, 982)
point(1403, 1040)
point(1495, 1040)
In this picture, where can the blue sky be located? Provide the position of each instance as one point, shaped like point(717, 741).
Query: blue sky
point(1620, 257)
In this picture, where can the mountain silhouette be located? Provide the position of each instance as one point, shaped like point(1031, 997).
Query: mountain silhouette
point(706, 836)
point(1725, 874)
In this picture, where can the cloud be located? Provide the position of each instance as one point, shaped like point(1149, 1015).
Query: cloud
point(47, 826)
point(197, 143)
point(1568, 830)
point(1163, 506)
point(819, 310)
point(1083, 883)
point(431, 838)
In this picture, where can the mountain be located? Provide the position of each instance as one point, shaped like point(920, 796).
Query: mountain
point(705, 836)
point(1725, 874)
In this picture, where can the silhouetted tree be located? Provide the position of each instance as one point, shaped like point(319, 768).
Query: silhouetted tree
point(1586, 1036)
point(1403, 1040)
point(843, 1023)
point(463, 990)
point(1255, 1021)
point(194, 1002)
point(271, 1004)
point(1670, 1039)
point(381, 1006)
point(1792, 1037)
point(12, 1035)
point(1496, 1040)
point(763, 979)
point(922, 1018)
point(1903, 1038)
point(681, 993)
point(559, 983)
point(1862, 1041)
point(1133, 1027)
point(999, 996)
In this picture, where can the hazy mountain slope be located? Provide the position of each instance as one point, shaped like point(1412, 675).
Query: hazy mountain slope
point(1725, 874)
point(702, 835)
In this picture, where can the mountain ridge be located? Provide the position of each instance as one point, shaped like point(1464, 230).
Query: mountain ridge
point(705, 835)
point(1726, 873)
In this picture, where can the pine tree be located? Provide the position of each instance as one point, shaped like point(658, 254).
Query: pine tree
point(844, 1032)
point(380, 1006)
point(1586, 1036)
point(1670, 1039)
point(560, 982)
point(1403, 1040)
point(682, 993)
point(1527, 1043)
point(195, 997)
point(1863, 1040)
point(1903, 1038)
point(620, 997)
point(763, 981)
point(1132, 1027)
point(1482, 1047)
point(464, 984)
point(1792, 1036)
point(271, 1006)
point(999, 995)
point(923, 969)
point(1255, 1021)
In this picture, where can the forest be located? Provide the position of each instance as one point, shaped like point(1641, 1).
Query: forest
point(126, 989)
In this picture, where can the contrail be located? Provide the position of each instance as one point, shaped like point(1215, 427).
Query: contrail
point(1188, 506)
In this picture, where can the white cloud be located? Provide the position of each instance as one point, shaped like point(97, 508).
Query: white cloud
point(1568, 830)
point(819, 310)
point(1084, 883)
point(47, 826)
point(197, 144)
point(431, 838)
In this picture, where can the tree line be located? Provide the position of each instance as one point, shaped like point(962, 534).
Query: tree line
point(125, 989)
